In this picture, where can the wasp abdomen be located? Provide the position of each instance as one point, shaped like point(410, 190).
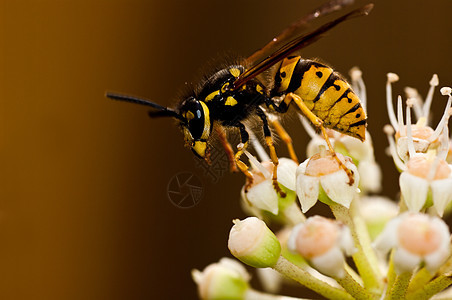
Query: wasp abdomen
point(324, 92)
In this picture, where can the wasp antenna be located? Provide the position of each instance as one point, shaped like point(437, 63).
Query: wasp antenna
point(161, 110)
point(165, 113)
point(132, 99)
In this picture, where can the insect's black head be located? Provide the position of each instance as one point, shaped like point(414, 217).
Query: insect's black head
point(196, 125)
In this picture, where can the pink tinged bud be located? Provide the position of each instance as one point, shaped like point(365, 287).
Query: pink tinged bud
point(416, 238)
point(322, 170)
point(253, 243)
point(322, 241)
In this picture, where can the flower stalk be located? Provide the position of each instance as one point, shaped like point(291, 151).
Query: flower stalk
point(364, 258)
point(303, 277)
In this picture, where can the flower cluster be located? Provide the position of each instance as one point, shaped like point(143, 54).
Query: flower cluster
point(400, 249)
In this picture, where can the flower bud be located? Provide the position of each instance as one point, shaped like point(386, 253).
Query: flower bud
point(253, 243)
point(322, 241)
point(227, 279)
point(376, 212)
point(417, 238)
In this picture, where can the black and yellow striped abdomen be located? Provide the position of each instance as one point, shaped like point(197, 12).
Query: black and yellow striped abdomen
point(324, 92)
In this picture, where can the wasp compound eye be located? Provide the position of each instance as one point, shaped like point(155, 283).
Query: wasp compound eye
point(198, 119)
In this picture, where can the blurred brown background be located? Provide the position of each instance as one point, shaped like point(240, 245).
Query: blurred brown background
point(84, 212)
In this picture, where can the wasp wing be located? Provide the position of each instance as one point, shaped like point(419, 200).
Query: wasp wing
point(297, 26)
point(297, 44)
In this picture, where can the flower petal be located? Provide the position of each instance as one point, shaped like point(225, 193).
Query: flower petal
point(414, 191)
point(441, 193)
point(331, 263)
point(404, 261)
point(291, 242)
point(307, 191)
point(388, 238)
point(436, 259)
point(370, 174)
point(337, 188)
point(286, 173)
point(264, 196)
point(346, 241)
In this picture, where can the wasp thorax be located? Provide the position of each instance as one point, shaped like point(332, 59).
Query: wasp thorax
point(196, 125)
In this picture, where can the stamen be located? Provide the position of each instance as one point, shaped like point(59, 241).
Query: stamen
point(359, 86)
point(263, 156)
point(444, 140)
point(392, 148)
point(392, 118)
point(400, 117)
point(417, 104)
point(434, 82)
point(446, 91)
point(307, 126)
point(409, 134)
point(444, 118)
point(257, 165)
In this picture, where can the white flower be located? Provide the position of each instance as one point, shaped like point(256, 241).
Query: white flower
point(426, 175)
point(323, 242)
point(420, 135)
point(323, 173)
point(227, 279)
point(261, 194)
point(416, 238)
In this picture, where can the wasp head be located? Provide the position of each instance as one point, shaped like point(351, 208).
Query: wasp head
point(196, 125)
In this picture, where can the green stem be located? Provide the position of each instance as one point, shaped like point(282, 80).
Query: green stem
point(289, 270)
point(446, 267)
point(365, 258)
point(419, 280)
point(400, 287)
point(256, 295)
point(391, 276)
point(353, 287)
point(432, 288)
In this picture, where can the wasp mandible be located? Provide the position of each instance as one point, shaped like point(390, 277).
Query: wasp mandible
point(231, 95)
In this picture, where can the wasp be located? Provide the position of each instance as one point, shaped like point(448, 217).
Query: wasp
point(233, 94)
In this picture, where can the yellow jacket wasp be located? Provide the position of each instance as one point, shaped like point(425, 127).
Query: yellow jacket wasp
point(232, 94)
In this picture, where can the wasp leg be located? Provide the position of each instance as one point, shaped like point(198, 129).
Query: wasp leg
point(319, 124)
point(227, 148)
point(271, 147)
point(285, 137)
point(240, 164)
